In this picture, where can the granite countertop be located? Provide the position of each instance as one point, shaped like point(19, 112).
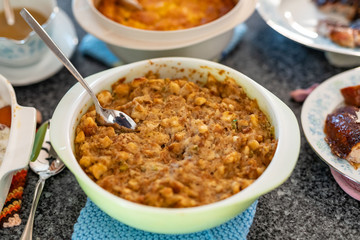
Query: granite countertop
point(309, 205)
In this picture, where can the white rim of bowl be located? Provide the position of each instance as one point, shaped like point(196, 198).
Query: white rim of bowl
point(160, 40)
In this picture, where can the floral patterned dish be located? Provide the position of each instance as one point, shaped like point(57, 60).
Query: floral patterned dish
point(322, 101)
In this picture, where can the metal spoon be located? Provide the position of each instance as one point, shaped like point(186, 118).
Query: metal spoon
point(106, 116)
point(9, 13)
point(46, 165)
point(132, 3)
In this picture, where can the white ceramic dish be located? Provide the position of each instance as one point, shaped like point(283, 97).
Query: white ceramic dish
point(131, 44)
point(297, 20)
point(65, 36)
point(322, 101)
point(22, 134)
point(165, 220)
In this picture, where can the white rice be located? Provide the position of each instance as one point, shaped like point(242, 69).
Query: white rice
point(4, 137)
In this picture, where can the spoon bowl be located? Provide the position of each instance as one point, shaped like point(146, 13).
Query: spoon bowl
point(47, 164)
point(117, 119)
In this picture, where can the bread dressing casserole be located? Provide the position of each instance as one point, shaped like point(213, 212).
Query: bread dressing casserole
point(166, 15)
point(195, 143)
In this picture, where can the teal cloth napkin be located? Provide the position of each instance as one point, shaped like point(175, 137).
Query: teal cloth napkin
point(97, 49)
point(93, 223)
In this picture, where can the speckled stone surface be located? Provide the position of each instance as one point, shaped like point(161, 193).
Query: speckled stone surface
point(309, 205)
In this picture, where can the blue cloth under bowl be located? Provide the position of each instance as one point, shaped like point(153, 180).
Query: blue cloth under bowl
point(95, 224)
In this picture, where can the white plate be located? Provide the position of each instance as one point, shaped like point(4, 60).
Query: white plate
point(322, 101)
point(65, 37)
point(297, 20)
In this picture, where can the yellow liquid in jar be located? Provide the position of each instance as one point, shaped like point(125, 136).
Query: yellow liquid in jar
point(20, 30)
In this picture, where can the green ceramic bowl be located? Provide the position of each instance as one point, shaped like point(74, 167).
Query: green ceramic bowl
point(183, 220)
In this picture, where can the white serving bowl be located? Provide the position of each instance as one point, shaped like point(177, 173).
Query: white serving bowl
point(182, 220)
point(131, 44)
point(19, 53)
point(21, 139)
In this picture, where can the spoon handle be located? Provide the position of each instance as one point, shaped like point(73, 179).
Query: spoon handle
point(57, 51)
point(28, 230)
point(132, 3)
point(9, 13)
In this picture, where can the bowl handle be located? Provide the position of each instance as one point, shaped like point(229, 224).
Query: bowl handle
point(291, 134)
point(290, 138)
